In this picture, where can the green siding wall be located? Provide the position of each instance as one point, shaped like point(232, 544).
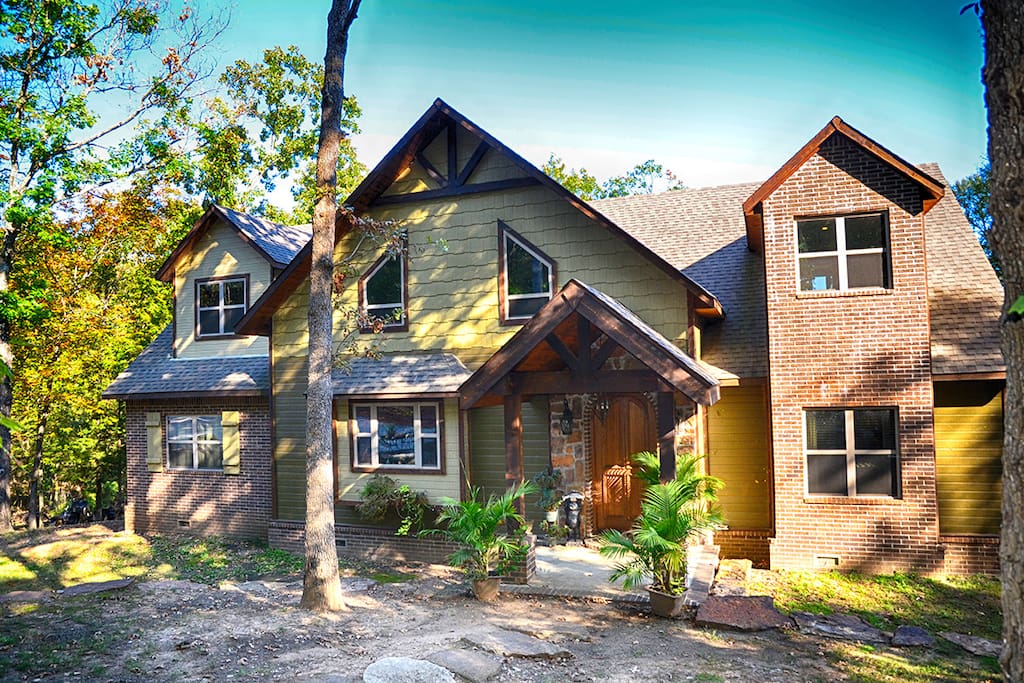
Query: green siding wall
point(968, 456)
point(738, 455)
point(487, 448)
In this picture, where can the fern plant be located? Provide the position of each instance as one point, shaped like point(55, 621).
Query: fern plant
point(655, 548)
point(489, 533)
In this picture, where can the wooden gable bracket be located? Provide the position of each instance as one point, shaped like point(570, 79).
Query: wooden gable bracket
point(454, 183)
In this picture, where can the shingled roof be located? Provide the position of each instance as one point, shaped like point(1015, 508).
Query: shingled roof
point(157, 374)
point(278, 244)
point(438, 374)
point(702, 232)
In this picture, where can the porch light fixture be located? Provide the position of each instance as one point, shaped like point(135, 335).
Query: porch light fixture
point(603, 406)
point(565, 422)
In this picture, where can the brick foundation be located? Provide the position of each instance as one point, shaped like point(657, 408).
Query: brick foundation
point(373, 543)
point(740, 544)
point(966, 555)
point(200, 502)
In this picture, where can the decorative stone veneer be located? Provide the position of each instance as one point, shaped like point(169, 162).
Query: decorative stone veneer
point(200, 502)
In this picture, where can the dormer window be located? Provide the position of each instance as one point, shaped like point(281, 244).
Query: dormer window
point(843, 252)
point(220, 304)
point(526, 276)
point(383, 293)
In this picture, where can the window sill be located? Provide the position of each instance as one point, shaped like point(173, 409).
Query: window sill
point(852, 500)
point(200, 470)
point(219, 337)
point(362, 469)
point(841, 293)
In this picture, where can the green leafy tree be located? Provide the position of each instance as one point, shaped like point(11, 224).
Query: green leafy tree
point(644, 178)
point(974, 195)
point(262, 130)
point(58, 60)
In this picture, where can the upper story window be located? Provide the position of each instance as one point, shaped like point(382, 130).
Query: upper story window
point(851, 452)
point(527, 276)
point(220, 304)
point(843, 252)
point(195, 442)
point(396, 435)
point(383, 293)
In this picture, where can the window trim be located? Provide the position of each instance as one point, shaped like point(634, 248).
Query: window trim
point(353, 434)
point(403, 264)
point(842, 253)
point(851, 452)
point(195, 443)
point(505, 232)
point(222, 280)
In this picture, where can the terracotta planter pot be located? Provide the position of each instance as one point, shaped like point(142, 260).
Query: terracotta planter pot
point(665, 605)
point(486, 590)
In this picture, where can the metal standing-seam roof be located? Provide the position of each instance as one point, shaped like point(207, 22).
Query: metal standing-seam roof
point(156, 374)
point(437, 373)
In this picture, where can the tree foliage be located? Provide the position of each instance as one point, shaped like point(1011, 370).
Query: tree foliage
point(644, 178)
point(60, 61)
point(974, 194)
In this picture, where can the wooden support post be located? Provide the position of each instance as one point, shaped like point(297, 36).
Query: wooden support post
point(514, 443)
point(667, 435)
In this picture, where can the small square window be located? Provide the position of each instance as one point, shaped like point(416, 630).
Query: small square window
point(843, 252)
point(220, 305)
point(195, 442)
point(851, 452)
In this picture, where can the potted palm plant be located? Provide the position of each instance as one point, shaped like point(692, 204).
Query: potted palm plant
point(490, 535)
point(671, 515)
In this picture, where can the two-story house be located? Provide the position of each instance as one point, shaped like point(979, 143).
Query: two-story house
point(827, 338)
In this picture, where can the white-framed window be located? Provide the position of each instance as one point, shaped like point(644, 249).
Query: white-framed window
point(843, 252)
point(396, 435)
point(195, 442)
point(527, 277)
point(851, 452)
point(220, 304)
point(382, 292)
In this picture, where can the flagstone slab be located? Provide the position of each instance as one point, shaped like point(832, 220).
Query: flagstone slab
point(741, 613)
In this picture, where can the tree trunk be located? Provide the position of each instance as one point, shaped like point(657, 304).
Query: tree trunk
point(1003, 21)
point(321, 590)
point(6, 395)
point(34, 521)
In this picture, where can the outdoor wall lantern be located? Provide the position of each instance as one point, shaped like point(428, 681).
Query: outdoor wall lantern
point(603, 406)
point(565, 422)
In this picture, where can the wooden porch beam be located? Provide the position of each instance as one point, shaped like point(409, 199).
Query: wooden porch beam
point(667, 436)
point(514, 443)
point(453, 153)
point(564, 353)
point(583, 335)
point(603, 353)
point(607, 381)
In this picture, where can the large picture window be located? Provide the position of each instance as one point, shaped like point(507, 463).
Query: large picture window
point(527, 276)
point(851, 452)
point(843, 252)
point(220, 304)
point(396, 435)
point(195, 442)
point(382, 293)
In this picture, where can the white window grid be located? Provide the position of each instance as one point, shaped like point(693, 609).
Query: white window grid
point(851, 452)
point(386, 310)
point(418, 433)
point(221, 307)
point(540, 295)
point(841, 252)
point(193, 440)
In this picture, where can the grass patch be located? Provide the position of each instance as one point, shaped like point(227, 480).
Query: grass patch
point(212, 560)
point(961, 604)
point(890, 665)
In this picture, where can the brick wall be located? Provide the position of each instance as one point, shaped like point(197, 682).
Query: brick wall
point(971, 555)
point(196, 502)
point(372, 543)
point(845, 350)
point(752, 545)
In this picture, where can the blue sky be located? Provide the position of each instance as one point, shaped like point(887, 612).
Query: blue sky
point(719, 92)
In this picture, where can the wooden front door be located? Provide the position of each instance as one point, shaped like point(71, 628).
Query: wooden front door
point(628, 428)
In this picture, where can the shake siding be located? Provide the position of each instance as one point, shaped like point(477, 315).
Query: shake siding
point(738, 455)
point(487, 448)
point(968, 451)
point(236, 258)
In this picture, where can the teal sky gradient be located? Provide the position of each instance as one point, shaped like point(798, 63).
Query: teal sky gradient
point(719, 92)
